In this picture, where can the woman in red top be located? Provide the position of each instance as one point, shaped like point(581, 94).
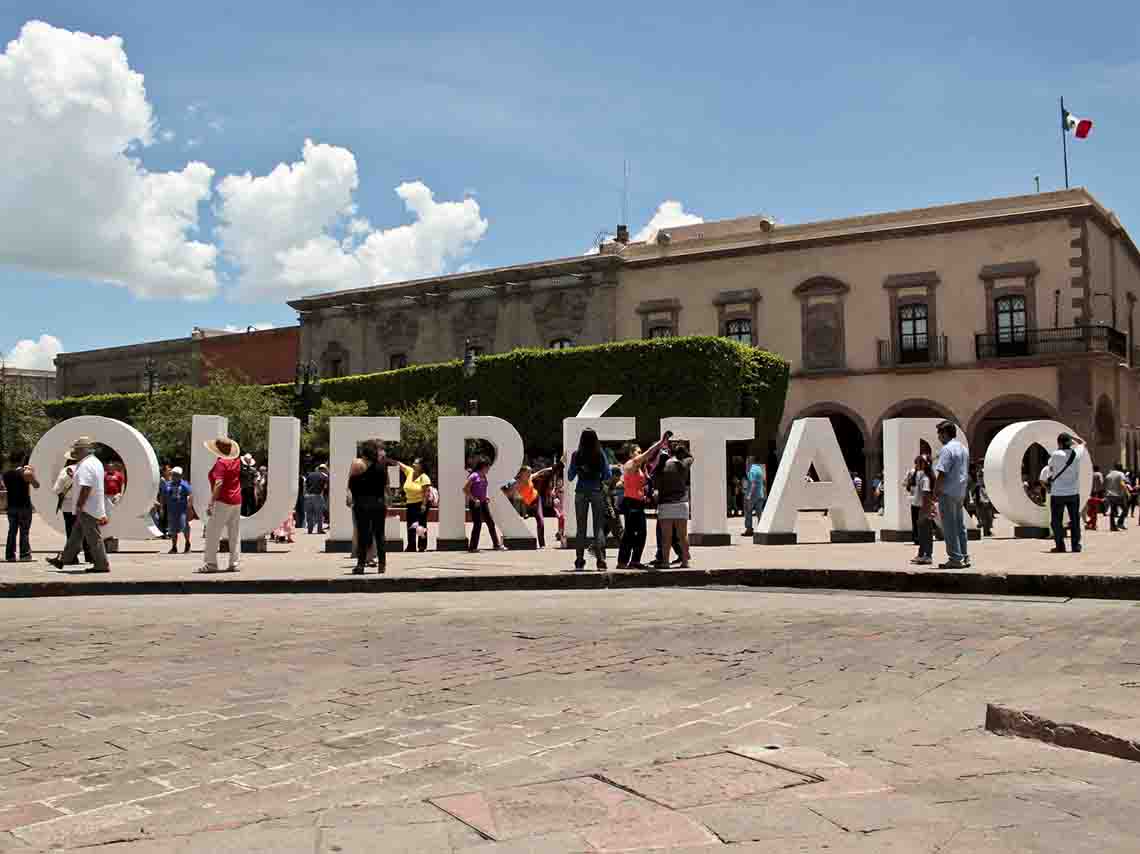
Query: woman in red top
point(225, 504)
point(634, 479)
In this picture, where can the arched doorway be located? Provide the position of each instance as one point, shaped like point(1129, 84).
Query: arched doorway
point(850, 432)
point(998, 414)
point(915, 407)
point(1107, 448)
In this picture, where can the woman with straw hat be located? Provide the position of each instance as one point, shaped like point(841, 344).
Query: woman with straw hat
point(225, 503)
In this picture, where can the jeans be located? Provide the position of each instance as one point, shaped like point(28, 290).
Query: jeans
point(593, 500)
point(19, 522)
point(315, 513)
point(226, 516)
point(924, 536)
point(753, 505)
point(1058, 504)
point(417, 515)
point(954, 527)
point(1117, 511)
point(633, 539)
point(481, 515)
point(88, 532)
point(538, 510)
point(369, 517)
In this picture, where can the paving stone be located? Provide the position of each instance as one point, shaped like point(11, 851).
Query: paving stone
point(760, 820)
point(114, 794)
point(22, 814)
point(73, 830)
point(704, 780)
point(872, 813)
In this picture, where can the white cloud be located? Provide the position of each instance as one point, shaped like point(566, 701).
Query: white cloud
point(229, 327)
point(670, 214)
point(167, 136)
point(77, 204)
point(296, 231)
point(39, 355)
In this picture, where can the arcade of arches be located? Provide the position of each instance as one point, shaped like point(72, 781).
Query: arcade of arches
point(861, 439)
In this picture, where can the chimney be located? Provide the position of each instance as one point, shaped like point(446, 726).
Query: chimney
point(623, 234)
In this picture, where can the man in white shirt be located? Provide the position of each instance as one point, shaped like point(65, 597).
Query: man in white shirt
point(1064, 490)
point(90, 510)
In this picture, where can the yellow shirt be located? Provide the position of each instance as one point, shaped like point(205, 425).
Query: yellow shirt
point(414, 486)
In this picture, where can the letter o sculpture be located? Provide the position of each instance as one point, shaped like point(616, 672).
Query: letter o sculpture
point(1003, 469)
point(130, 518)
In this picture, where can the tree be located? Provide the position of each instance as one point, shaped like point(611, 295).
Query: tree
point(419, 430)
point(167, 418)
point(315, 439)
point(22, 418)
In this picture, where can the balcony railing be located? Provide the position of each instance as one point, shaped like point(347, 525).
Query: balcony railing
point(1012, 343)
point(932, 355)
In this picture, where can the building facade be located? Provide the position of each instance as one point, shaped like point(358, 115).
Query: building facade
point(40, 383)
point(261, 356)
point(988, 312)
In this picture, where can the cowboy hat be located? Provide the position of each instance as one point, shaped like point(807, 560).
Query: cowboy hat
point(232, 454)
point(83, 443)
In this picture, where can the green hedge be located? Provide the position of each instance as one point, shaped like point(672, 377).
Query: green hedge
point(536, 389)
point(118, 406)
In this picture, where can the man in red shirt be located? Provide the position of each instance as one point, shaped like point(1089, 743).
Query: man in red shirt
point(225, 504)
point(113, 482)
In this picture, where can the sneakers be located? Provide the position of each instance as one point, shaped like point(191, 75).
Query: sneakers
point(602, 564)
point(580, 564)
point(502, 547)
point(952, 564)
point(55, 561)
point(358, 570)
point(96, 569)
point(1057, 550)
point(173, 550)
point(922, 561)
point(186, 548)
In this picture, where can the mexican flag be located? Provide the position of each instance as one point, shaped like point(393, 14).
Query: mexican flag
point(1079, 128)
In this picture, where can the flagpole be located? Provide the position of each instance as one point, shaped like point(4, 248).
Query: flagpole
point(1064, 142)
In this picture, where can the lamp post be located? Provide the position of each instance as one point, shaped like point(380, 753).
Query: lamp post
point(469, 369)
point(3, 403)
point(150, 368)
point(307, 389)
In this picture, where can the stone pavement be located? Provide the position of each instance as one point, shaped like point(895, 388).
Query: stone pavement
point(1108, 567)
point(719, 719)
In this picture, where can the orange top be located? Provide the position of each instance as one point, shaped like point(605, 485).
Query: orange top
point(528, 493)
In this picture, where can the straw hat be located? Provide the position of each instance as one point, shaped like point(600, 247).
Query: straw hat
point(232, 451)
point(79, 448)
point(248, 460)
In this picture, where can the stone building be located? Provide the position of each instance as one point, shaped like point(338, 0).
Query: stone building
point(39, 383)
point(986, 312)
point(262, 356)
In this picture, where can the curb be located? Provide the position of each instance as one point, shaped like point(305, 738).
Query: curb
point(1119, 587)
point(1005, 721)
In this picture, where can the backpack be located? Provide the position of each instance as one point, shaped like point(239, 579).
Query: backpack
point(248, 476)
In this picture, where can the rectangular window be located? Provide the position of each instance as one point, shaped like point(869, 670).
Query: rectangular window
point(739, 330)
point(397, 361)
point(660, 331)
point(914, 337)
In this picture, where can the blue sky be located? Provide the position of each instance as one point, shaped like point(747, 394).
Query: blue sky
point(803, 111)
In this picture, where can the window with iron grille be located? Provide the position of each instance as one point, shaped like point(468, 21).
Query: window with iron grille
point(914, 337)
point(561, 344)
point(661, 332)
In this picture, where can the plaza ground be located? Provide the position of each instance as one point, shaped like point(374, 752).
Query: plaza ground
point(718, 719)
point(1105, 555)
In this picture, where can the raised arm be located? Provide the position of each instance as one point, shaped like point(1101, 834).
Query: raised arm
point(644, 457)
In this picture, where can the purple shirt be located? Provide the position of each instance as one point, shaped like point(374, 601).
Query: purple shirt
point(478, 482)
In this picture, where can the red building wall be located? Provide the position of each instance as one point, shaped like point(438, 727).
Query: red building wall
point(262, 357)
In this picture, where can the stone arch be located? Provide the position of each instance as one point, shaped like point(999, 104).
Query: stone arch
point(850, 430)
point(913, 407)
point(1105, 421)
point(1034, 407)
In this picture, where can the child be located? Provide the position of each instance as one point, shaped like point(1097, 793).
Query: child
point(924, 495)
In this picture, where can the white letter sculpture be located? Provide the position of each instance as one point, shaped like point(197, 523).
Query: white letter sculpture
point(454, 431)
point(901, 437)
point(130, 518)
point(608, 430)
point(812, 442)
point(284, 468)
point(708, 488)
point(345, 435)
point(1004, 481)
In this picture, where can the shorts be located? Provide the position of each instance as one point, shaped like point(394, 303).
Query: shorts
point(674, 511)
point(176, 523)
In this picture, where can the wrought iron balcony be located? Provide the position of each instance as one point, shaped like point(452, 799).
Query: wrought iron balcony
point(934, 354)
point(1018, 342)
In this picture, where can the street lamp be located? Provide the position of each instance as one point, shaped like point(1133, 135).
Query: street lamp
point(3, 402)
point(469, 369)
point(150, 368)
point(307, 388)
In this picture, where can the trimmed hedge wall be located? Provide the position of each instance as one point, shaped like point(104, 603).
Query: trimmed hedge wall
point(536, 389)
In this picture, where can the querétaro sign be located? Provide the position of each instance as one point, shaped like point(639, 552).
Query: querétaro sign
point(811, 443)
